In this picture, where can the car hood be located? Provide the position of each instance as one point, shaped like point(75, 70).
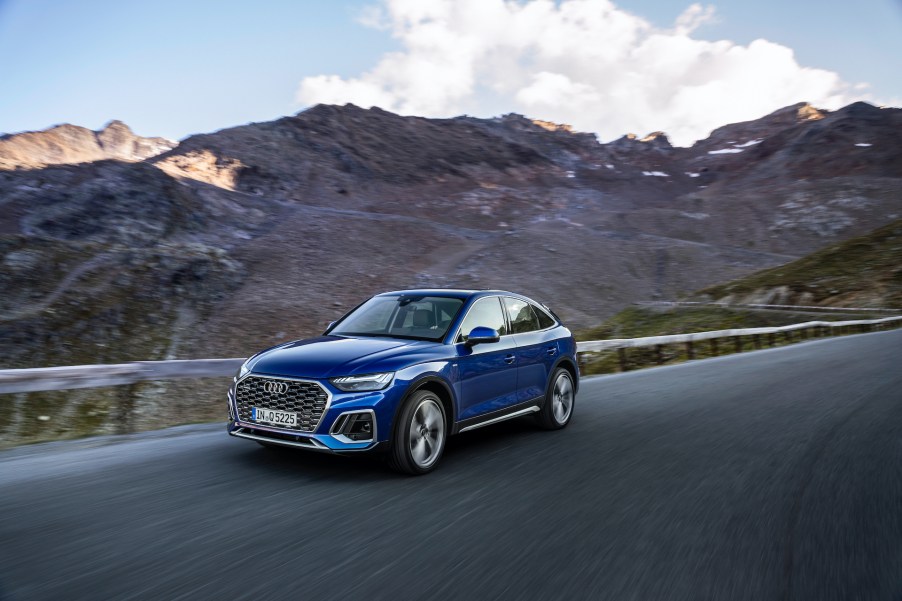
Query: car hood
point(331, 356)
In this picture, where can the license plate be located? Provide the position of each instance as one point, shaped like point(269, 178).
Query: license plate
point(275, 417)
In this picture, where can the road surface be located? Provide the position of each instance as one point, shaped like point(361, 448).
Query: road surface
point(768, 475)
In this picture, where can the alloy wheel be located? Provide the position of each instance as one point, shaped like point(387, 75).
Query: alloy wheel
point(427, 433)
point(562, 398)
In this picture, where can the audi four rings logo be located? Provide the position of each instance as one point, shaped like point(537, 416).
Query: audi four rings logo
point(275, 387)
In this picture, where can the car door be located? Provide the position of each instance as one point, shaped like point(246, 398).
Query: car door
point(487, 372)
point(536, 347)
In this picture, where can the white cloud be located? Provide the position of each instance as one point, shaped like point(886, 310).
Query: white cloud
point(583, 62)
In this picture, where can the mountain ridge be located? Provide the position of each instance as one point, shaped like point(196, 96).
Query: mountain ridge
point(304, 201)
point(72, 144)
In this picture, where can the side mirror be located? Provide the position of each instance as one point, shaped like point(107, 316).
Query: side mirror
point(482, 335)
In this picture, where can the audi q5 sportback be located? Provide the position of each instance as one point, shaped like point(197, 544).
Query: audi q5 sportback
point(405, 370)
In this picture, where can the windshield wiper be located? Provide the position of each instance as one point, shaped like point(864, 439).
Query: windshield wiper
point(370, 334)
point(394, 336)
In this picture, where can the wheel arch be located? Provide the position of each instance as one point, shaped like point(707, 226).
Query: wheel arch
point(568, 364)
point(441, 389)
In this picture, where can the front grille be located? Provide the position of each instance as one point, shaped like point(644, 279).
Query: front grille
point(307, 399)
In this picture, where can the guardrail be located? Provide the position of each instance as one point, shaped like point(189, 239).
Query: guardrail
point(93, 376)
point(765, 306)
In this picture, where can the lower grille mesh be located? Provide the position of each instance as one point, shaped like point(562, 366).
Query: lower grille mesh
point(307, 399)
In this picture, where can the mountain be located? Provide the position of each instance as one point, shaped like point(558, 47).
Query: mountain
point(68, 144)
point(236, 240)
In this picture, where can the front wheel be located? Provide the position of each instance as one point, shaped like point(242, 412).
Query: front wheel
point(419, 435)
point(559, 401)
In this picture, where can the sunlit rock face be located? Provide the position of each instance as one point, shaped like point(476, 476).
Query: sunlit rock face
point(69, 144)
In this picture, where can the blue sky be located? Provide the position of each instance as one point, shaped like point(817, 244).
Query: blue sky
point(175, 68)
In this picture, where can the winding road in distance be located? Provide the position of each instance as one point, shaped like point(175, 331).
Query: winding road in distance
point(775, 475)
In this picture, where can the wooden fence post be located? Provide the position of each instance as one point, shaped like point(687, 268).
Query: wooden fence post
point(621, 354)
point(690, 351)
point(737, 340)
point(714, 346)
point(659, 356)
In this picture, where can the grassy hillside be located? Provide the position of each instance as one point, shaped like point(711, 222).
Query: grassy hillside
point(863, 272)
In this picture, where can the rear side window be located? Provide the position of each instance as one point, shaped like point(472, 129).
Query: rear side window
point(545, 320)
point(485, 312)
point(522, 315)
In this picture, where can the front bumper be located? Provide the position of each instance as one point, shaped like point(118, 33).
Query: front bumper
point(324, 438)
point(269, 437)
point(325, 443)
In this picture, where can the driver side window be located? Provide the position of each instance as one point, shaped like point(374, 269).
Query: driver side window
point(485, 312)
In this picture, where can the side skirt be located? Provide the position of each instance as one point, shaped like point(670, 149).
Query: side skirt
point(498, 416)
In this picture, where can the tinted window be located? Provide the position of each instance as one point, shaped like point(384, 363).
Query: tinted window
point(545, 320)
point(407, 316)
point(523, 318)
point(487, 313)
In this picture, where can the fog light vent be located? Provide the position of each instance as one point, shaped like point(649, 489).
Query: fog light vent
point(358, 426)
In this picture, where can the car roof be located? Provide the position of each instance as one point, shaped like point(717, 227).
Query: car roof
point(451, 292)
point(456, 292)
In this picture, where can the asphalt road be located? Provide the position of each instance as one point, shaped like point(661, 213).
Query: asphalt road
point(769, 475)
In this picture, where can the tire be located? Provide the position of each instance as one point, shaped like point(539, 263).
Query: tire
point(559, 401)
point(419, 434)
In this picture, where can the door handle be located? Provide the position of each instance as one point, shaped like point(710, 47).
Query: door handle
point(509, 359)
point(551, 350)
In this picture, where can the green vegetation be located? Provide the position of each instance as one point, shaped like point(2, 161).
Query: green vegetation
point(637, 322)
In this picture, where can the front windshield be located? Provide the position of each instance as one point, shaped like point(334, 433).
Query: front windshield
point(407, 316)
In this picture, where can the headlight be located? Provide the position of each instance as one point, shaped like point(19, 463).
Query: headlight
point(363, 383)
point(242, 371)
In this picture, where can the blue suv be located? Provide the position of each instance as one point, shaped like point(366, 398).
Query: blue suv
point(405, 370)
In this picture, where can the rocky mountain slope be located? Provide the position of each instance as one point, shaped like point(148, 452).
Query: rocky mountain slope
point(300, 218)
point(239, 239)
point(68, 144)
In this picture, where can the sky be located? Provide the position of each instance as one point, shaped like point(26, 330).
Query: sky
point(173, 68)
